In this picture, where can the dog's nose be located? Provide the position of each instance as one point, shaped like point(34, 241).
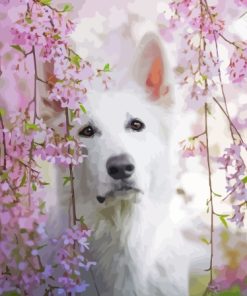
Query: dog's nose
point(120, 166)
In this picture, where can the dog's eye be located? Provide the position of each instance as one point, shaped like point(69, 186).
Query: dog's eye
point(87, 132)
point(136, 125)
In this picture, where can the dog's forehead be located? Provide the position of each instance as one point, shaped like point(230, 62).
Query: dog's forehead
point(116, 104)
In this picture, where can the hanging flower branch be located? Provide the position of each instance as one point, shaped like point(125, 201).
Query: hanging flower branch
point(201, 71)
point(41, 32)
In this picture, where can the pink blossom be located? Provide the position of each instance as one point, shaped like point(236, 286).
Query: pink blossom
point(182, 7)
point(241, 2)
point(227, 277)
point(5, 218)
point(25, 138)
point(5, 186)
point(238, 216)
point(193, 147)
point(237, 68)
point(210, 30)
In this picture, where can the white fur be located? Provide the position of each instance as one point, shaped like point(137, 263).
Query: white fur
point(139, 247)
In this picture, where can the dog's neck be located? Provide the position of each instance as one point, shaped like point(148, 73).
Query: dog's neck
point(139, 211)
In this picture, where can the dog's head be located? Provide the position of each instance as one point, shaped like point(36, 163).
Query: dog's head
point(126, 131)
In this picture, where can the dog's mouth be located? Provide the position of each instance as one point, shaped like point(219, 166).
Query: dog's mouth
point(121, 191)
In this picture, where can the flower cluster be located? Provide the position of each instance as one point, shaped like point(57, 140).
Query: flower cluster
point(42, 27)
point(235, 168)
point(203, 27)
point(74, 243)
point(203, 76)
point(60, 150)
point(193, 147)
point(237, 68)
point(41, 32)
point(22, 233)
point(233, 164)
point(241, 2)
point(231, 277)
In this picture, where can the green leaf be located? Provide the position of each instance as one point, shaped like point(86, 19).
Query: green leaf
point(74, 276)
point(17, 47)
point(2, 111)
point(23, 180)
point(233, 291)
point(83, 109)
point(18, 195)
point(42, 206)
point(54, 265)
point(75, 59)
point(34, 187)
point(44, 183)
point(223, 220)
point(57, 37)
point(11, 293)
point(28, 20)
point(45, 2)
point(67, 7)
point(72, 114)
point(216, 194)
point(4, 176)
point(66, 180)
point(244, 180)
point(82, 220)
point(204, 240)
point(106, 68)
point(60, 80)
point(31, 126)
point(69, 138)
point(41, 247)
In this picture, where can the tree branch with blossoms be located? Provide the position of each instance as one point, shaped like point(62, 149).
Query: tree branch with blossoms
point(202, 26)
point(40, 35)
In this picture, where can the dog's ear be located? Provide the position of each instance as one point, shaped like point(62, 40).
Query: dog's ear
point(48, 110)
point(150, 69)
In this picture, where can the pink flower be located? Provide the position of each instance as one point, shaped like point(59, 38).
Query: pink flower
point(193, 147)
point(238, 216)
point(5, 186)
point(5, 218)
point(210, 30)
point(241, 2)
point(237, 68)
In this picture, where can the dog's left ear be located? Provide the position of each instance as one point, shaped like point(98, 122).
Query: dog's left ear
point(150, 68)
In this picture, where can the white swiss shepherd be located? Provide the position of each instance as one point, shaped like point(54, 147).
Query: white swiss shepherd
point(126, 184)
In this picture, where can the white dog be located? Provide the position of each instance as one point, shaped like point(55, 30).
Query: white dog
point(126, 184)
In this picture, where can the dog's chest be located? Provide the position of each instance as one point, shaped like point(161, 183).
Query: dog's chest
point(128, 260)
point(121, 265)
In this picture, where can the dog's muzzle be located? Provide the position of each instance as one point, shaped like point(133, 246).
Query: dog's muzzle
point(120, 191)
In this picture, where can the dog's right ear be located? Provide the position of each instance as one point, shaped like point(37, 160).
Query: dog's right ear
point(150, 68)
point(49, 110)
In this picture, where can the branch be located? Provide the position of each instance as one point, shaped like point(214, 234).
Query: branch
point(198, 136)
point(35, 84)
point(28, 53)
point(228, 41)
point(211, 196)
point(71, 172)
point(4, 144)
point(220, 76)
point(34, 100)
point(228, 118)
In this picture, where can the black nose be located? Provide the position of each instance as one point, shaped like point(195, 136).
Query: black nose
point(120, 167)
